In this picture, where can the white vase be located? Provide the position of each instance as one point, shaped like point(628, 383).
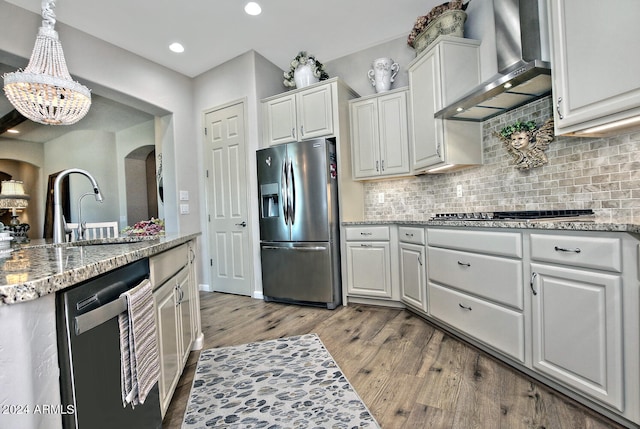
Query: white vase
point(303, 75)
point(383, 73)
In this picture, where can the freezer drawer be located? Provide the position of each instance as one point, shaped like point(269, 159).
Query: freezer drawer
point(301, 272)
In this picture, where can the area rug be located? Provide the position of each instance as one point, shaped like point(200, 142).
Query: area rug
point(285, 383)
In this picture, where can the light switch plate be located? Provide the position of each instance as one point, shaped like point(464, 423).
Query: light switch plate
point(184, 208)
point(184, 195)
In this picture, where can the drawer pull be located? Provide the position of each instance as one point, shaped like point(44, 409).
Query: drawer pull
point(564, 249)
point(464, 307)
point(533, 278)
point(408, 235)
point(365, 233)
point(464, 264)
point(366, 245)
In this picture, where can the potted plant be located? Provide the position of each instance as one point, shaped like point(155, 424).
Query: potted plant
point(304, 70)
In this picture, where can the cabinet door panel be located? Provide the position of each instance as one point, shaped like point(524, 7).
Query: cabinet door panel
point(583, 60)
point(497, 279)
point(413, 275)
point(280, 120)
point(425, 98)
point(577, 330)
point(185, 295)
point(315, 113)
point(368, 269)
point(394, 134)
point(499, 327)
point(167, 317)
point(364, 132)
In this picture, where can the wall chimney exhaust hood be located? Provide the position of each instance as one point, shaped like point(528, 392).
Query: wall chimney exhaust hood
point(523, 76)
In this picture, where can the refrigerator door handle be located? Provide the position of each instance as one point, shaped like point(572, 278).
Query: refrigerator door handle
point(292, 195)
point(284, 191)
point(301, 248)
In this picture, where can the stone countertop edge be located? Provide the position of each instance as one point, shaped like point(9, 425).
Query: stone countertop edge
point(50, 268)
point(547, 225)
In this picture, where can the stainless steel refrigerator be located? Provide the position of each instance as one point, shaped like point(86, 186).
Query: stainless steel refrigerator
point(299, 231)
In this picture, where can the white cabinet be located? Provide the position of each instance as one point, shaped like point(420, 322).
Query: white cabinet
point(174, 296)
point(299, 115)
point(476, 286)
point(437, 77)
point(596, 76)
point(369, 262)
point(413, 267)
point(577, 313)
point(379, 135)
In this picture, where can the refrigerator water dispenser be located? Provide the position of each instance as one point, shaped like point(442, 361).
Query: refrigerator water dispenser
point(269, 200)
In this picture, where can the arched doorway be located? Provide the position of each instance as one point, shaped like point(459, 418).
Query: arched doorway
point(141, 187)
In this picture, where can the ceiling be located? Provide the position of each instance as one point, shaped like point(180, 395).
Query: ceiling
point(215, 31)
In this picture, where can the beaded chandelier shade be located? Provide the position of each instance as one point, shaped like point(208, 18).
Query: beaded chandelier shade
point(44, 91)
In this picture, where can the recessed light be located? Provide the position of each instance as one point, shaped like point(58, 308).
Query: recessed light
point(12, 131)
point(176, 47)
point(253, 8)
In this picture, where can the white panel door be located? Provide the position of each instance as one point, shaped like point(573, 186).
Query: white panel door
point(229, 238)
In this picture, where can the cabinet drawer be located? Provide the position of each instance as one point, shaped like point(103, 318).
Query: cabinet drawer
point(166, 264)
point(497, 279)
point(494, 243)
point(601, 253)
point(358, 233)
point(498, 327)
point(414, 235)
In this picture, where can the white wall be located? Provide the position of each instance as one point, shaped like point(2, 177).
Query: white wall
point(94, 151)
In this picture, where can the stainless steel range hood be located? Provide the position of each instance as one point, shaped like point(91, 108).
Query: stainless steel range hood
point(521, 41)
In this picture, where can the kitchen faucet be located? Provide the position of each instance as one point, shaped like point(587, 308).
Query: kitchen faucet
point(59, 223)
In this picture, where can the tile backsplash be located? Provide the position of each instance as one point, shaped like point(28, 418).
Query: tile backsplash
point(602, 174)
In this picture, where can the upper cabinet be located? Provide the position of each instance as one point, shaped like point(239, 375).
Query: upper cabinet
point(379, 135)
point(440, 75)
point(299, 115)
point(596, 75)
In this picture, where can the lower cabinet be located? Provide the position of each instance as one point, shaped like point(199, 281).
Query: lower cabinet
point(476, 286)
point(174, 296)
point(577, 313)
point(562, 306)
point(368, 259)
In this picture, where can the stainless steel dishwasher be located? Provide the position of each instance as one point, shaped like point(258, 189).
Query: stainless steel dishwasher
point(89, 354)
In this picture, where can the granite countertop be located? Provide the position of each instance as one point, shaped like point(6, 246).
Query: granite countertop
point(536, 224)
point(38, 268)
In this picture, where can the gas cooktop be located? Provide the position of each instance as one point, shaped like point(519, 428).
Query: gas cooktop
point(586, 215)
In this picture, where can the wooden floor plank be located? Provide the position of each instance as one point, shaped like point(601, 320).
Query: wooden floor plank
point(409, 374)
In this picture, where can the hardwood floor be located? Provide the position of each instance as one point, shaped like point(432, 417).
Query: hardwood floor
point(409, 374)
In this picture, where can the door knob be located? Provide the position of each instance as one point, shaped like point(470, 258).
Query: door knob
point(242, 224)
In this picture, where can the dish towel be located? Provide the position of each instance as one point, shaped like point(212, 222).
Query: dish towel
point(139, 361)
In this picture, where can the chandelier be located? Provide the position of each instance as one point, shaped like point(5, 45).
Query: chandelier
point(44, 91)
